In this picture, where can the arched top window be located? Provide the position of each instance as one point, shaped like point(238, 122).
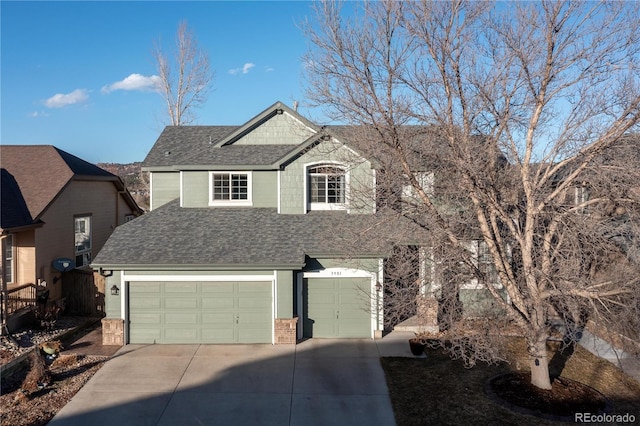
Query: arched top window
point(326, 184)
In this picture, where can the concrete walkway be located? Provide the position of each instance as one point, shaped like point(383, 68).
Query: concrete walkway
point(317, 382)
point(627, 362)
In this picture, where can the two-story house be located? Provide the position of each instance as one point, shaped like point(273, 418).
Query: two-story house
point(55, 207)
point(250, 238)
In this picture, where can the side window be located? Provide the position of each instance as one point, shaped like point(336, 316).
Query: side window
point(7, 258)
point(82, 226)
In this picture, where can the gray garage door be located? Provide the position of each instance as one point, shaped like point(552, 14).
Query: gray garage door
point(338, 307)
point(200, 312)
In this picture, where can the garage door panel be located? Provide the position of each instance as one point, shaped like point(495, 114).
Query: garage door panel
point(186, 318)
point(179, 335)
point(181, 287)
point(145, 336)
point(226, 302)
point(218, 335)
point(219, 287)
point(251, 318)
point(181, 303)
point(146, 287)
point(200, 312)
point(250, 304)
point(146, 318)
point(254, 286)
point(338, 307)
point(226, 318)
point(146, 302)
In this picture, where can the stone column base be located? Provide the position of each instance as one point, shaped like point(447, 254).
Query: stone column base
point(285, 331)
point(427, 314)
point(113, 331)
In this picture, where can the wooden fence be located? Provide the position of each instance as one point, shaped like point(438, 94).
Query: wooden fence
point(83, 292)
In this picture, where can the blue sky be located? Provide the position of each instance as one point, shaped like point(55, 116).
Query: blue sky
point(73, 73)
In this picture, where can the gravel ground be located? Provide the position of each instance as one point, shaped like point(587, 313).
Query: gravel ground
point(24, 340)
point(68, 373)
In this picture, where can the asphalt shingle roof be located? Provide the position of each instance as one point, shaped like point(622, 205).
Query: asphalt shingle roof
point(13, 209)
point(196, 145)
point(171, 235)
point(42, 171)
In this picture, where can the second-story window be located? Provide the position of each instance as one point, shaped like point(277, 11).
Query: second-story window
point(327, 185)
point(82, 232)
point(230, 188)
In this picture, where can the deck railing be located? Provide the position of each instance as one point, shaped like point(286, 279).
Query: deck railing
point(21, 297)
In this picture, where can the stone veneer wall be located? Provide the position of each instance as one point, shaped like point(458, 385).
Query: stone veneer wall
point(112, 331)
point(428, 314)
point(285, 331)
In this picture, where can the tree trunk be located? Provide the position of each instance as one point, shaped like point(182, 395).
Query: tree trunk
point(539, 362)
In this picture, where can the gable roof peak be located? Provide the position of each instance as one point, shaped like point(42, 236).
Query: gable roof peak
point(278, 108)
point(42, 171)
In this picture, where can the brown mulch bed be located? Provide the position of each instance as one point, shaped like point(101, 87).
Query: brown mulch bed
point(438, 390)
point(565, 398)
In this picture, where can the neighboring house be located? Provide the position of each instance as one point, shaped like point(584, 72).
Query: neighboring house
point(54, 206)
point(251, 238)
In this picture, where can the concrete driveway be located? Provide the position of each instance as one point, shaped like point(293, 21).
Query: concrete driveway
point(317, 382)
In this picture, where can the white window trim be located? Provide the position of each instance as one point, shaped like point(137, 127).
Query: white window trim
point(232, 203)
point(426, 182)
point(309, 206)
point(88, 251)
point(11, 260)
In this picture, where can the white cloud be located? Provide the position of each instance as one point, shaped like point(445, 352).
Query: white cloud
point(269, 69)
point(60, 100)
point(134, 82)
point(36, 114)
point(244, 70)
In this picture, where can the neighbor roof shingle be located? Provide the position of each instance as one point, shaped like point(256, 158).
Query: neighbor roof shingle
point(42, 171)
point(13, 209)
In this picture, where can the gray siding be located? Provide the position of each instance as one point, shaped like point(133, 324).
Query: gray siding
point(265, 189)
point(195, 189)
point(284, 308)
point(112, 304)
point(165, 187)
point(281, 129)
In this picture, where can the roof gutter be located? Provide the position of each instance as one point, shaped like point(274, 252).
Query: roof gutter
point(193, 267)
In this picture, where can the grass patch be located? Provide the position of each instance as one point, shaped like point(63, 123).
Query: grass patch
point(438, 390)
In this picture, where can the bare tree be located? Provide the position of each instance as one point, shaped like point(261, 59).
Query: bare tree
point(185, 76)
point(519, 117)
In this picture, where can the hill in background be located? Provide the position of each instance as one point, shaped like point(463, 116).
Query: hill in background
point(136, 181)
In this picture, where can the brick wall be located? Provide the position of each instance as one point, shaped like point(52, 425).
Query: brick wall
point(286, 331)
point(112, 331)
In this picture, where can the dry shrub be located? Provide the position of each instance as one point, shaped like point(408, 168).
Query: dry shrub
point(65, 361)
point(54, 345)
point(38, 374)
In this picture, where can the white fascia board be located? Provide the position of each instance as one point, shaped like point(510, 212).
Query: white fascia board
point(191, 278)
